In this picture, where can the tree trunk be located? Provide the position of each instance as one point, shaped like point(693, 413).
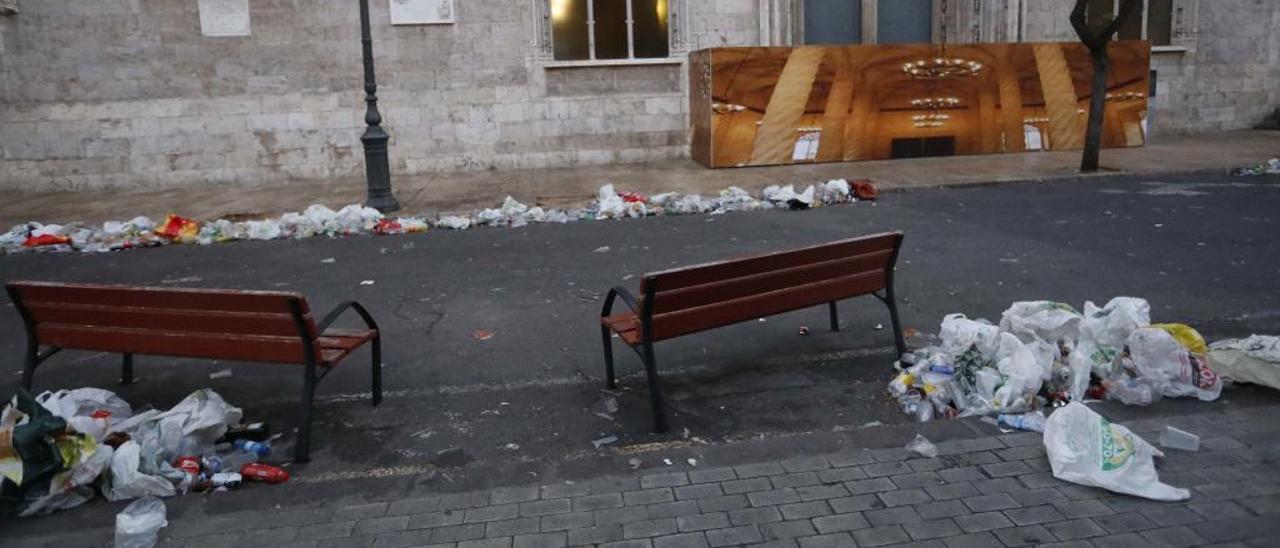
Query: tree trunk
point(1097, 106)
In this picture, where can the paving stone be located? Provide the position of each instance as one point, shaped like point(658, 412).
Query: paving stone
point(1082, 508)
point(805, 510)
point(275, 536)
point(1125, 540)
point(626, 514)
point(402, 538)
point(374, 526)
point(513, 527)
point(1174, 537)
point(683, 540)
point(984, 521)
point(511, 495)
point(734, 535)
point(564, 522)
point(834, 475)
point(834, 540)
point(460, 501)
point(360, 511)
point(1172, 516)
point(880, 536)
point(671, 479)
point(987, 503)
point(972, 540)
point(750, 485)
point(632, 543)
point(699, 491)
point(854, 457)
point(544, 507)
point(1035, 497)
point(795, 480)
point(822, 492)
point(918, 479)
point(931, 529)
point(1080, 492)
point(596, 502)
point(336, 530)
point(752, 516)
point(702, 522)
point(962, 474)
point(926, 465)
point(413, 506)
point(1238, 529)
point(951, 491)
point(1039, 480)
point(612, 484)
point(997, 485)
point(1264, 505)
point(881, 469)
point(455, 533)
point(595, 535)
point(1020, 439)
point(1002, 469)
point(1021, 453)
point(904, 497)
point(709, 475)
point(544, 540)
point(1023, 536)
point(720, 504)
point(1033, 515)
point(856, 503)
point(407, 538)
point(1223, 510)
point(787, 529)
point(681, 508)
point(436, 519)
point(648, 496)
point(892, 516)
point(490, 513)
point(841, 522)
point(758, 470)
point(561, 490)
point(486, 543)
point(807, 464)
point(1075, 529)
point(650, 528)
point(971, 459)
point(774, 497)
point(941, 509)
point(1123, 523)
point(876, 485)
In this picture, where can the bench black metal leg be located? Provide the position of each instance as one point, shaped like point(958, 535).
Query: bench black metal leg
point(897, 326)
point(29, 367)
point(835, 317)
point(610, 381)
point(376, 350)
point(302, 452)
point(126, 369)
point(655, 394)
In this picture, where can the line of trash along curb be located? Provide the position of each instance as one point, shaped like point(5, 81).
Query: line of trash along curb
point(1045, 354)
point(357, 220)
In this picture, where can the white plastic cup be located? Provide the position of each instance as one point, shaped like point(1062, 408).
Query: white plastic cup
point(1174, 438)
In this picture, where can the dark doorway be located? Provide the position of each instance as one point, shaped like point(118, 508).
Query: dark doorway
point(832, 22)
point(922, 147)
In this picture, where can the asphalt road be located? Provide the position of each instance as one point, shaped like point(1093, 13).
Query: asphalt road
point(1204, 251)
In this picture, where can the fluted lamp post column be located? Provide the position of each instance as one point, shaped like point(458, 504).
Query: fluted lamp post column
point(377, 165)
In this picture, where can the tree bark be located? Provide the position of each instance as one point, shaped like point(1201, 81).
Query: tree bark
point(1097, 42)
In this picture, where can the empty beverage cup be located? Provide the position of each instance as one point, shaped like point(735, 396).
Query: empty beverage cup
point(1174, 438)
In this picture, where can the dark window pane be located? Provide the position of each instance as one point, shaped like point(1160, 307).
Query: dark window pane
point(904, 21)
point(651, 32)
point(1132, 27)
point(832, 21)
point(611, 29)
point(1160, 22)
point(1099, 13)
point(569, 29)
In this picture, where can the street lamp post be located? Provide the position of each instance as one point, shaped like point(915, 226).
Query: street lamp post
point(377, 165)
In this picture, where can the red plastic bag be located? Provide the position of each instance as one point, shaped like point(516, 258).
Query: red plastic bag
point(179, 229)
point(388, 226)
point(634, 197)
point(45, 239)
point(865, 190)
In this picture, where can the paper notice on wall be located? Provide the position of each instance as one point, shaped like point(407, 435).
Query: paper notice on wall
point(421, 12)
point(224, 17)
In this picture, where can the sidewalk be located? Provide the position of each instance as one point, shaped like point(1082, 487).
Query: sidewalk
point(992, 490)
point(556, 187)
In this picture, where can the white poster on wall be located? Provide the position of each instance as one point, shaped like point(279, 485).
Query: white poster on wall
point(224, 17)
point(422, 12)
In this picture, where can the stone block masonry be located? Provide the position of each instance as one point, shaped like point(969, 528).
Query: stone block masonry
point(129, 94)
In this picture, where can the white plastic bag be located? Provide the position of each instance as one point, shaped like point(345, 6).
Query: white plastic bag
point(1111, 325)
point(126, 481)
point(1023, 375)
point(1254, 360)
point(923, 447)
point(77, 407)
point(1085, 448)
point(959, 333)
point(1044, 320)
point(138, 525)
point(1169, 368)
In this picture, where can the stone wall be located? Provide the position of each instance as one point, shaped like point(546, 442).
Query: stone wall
point(128, 93)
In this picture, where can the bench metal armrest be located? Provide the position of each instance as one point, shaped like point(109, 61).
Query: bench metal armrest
point(338, 310)
point(627, 299)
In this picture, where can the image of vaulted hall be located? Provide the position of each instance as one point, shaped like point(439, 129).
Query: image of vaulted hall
point(768, 106)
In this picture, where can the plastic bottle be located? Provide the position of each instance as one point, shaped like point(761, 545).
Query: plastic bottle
point(258, 471)
point(1033, 422)
point(261, 449)
point(1128, 392)
point(235, 460)
point(924, 413)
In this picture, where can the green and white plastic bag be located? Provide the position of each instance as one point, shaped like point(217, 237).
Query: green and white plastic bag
point(1085, 448)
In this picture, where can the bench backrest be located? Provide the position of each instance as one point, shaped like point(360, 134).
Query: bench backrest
point(696, 298)
point(261, 326)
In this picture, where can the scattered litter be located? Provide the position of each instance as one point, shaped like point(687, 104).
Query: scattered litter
point(634, 463)
point(878, 327)
point(923, 447)
point(692, 462)
point(329, 260)
point(452, 457)
point(607, 440)
point(1174, 438)
point(1032, 422)
point(224, 374)
point(1085, 448)
point(138, 525)
point(481, 335)
point(804, 330)
point(872, 423)
point(601, 249)
point(367, 282)
point(512, 447)
point(668, 462)
point(1254, 359)
point(1272, 167)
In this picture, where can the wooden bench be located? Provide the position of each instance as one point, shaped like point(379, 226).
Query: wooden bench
point(253, 326)
point(688, 300)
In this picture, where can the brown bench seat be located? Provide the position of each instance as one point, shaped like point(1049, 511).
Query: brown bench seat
point(683, 301)
point(251, 326)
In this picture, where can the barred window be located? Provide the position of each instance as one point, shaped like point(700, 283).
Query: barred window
point(585, 30)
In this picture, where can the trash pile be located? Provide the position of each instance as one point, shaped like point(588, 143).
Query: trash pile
point(1254, 360)
point(59, 449)
point(354, 220)
point(1044, 353)
point(1272, 167)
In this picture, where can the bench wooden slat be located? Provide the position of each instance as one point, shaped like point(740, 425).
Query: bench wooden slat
point(166, 319)
point(277, 302)
point(735, 268)
point(766, 282)
point(236, 347)
point(693, 320)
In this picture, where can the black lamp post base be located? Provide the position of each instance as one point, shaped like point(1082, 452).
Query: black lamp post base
point(378, 171)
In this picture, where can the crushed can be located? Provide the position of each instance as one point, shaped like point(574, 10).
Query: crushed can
point(258, 471)
point(189, 464)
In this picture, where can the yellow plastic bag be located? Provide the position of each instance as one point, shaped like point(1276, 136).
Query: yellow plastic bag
point(1186, 335)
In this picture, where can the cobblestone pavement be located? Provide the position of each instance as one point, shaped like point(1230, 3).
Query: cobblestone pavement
point(986, 491)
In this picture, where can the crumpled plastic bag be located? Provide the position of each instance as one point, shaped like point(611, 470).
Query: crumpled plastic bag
point(787, 196)
point(736, 199)
point(959, 333)
point(453, 222)
point(1044, 320)
point(74, 486)
point(921, 445)
point(836, 191)
point(44, 466)
point(609, 205)
point(78, 406)
point(138, 525)
point(1085, 448)
point(1111, 325)
point(1024, 373)
point(1171, 369)
point(1254, 359)
point(126, 480)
